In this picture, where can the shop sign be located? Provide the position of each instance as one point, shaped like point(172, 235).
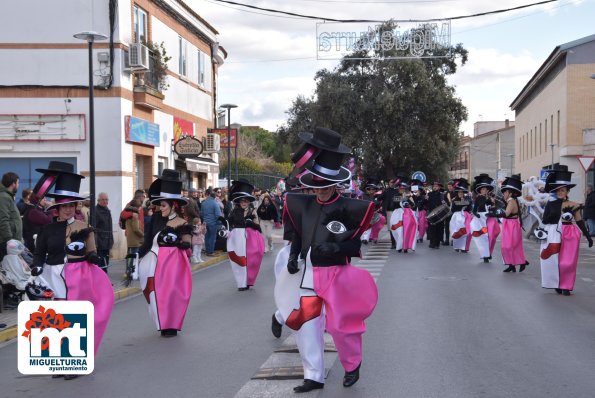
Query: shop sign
point(182, 127)
point(141, 131)
point(223, 134)
point(188, 147)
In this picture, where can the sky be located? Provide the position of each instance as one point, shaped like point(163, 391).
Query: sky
point(272, 59)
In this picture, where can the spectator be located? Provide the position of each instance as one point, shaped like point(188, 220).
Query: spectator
point(148, 210)
point(258, 198)
point(267, 213)
point(184, 193)
point(134, 240)
point(139, 197)
point(11, 226)
point(86, 209)
point(103, 230)
point(78, 213)
point(34, 219)
point(589, 212)
point(198, 240)
point(194, 204)
point(201, 196)
point(24, 200)
point(211, 211)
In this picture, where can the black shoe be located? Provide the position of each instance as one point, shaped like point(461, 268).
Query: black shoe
point(510, 269)
point(559, 291)
point(276, 327)
point(241, 289)
point(365, 242)
point(486, 259)
point(464, 251)
point(400, 250)
point(522, 267)
point(405, 251)
point(308, 385)
point(352, 377)
point(445, 243)
point(70, 377)
point(393, 246)
point(169, 333)
point(457, 250)
point(566, 292)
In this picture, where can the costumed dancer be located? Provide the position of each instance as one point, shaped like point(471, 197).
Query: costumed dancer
point(245, 244)
point(374, 193)
point(460, 222)
point(512, 234)
point(436, 229)
point(390, 201)
point(79, 277)
point(449, 196)
point(164, 270)
point(560, 245)
point(326, 234)
point(403, 223)
point(421, 206)
point(484, 230)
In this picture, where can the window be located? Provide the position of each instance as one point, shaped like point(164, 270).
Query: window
point(545, 146)
point(201, 68)
point(531, 145)
point(140, 25)
point(540, 138)
point(182, 60)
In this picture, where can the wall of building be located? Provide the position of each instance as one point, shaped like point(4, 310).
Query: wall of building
point(489, 153)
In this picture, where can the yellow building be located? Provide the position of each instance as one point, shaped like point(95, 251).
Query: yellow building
point(555, 114)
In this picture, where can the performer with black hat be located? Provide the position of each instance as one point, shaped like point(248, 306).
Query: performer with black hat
point(512, 234)
point(245, 244)
point(327, 229)
point(421, 208)
point(373, 193)
point(559, 249)
point(164, 270)
point(484, 230)
point(460, 222)
point(435, 229)
point(79, 277)
point(403, 223)
point(449, 195)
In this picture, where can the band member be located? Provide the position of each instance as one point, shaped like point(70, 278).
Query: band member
point(390, 202)
point(403, 223)
point(421, 208)
point(373, 193)
point(484, 230)
point(326, 234)
point(245, 244)
point(435, 230)
point(79, 277)
point(512, 234)
point(449, 196)
point(460, 222)
point(164, 270)
point(563, 225)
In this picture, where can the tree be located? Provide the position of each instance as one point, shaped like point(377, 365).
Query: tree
point(397, 115)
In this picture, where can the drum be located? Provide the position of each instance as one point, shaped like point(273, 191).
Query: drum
point(438, 214)
point(375, 218)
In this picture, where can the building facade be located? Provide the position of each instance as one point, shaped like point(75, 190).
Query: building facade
point(555, 114)
point(44, 91)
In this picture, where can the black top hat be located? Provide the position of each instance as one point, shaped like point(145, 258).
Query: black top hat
point(66, 189)
point(241, 189)
point(167, 187)
point(372, 183)
point(417, 182)
point(326, 170)
point(513, 184)
point(50, 175)
point(437, 183)
point(558, 177)
point(461, 184)
point(483, 180)
point(326, 139)
point(304, 155)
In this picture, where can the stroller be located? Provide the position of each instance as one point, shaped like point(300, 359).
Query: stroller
point(16, 279)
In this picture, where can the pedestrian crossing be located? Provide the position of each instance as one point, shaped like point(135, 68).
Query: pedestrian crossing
point(374, 258)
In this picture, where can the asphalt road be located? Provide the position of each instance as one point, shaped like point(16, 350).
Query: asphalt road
point(447, 325)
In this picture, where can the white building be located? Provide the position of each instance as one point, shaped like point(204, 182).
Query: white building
point(44, 91)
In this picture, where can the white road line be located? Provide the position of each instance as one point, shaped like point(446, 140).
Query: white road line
point(587, 279)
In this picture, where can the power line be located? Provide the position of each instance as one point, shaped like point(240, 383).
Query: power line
point(369, 20)
point(380, 1)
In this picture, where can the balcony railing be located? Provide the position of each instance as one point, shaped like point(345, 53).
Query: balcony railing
point(151, 78)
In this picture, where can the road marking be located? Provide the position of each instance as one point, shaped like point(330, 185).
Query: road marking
point(587, 279)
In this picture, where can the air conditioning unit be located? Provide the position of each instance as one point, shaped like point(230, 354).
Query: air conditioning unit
point(138, 57)
point(213, 143)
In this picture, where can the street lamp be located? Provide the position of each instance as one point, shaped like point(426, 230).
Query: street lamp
point(90, 37)
point(229, 107)
point(552, 147)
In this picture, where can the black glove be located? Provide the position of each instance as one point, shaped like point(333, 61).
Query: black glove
point(476, 214)
point(36, 271)
point(184, 245)
point(253, 225)
point(93, 258)
point(292, 264)
point(581, 225)
point(327, 248)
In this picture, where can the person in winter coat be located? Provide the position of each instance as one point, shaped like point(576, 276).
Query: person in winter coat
point(104, 230)
point(34, 218)
point(11, 226)
point(267, 213)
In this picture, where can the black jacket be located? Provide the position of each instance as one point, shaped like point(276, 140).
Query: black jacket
point(103, 228)
point(589, 211)
point(267, 212)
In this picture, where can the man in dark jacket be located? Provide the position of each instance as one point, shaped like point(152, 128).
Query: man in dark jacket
point(589, 212)
point(11, 226)
point(104, 230)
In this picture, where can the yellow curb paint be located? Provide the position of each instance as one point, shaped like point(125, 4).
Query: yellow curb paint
point(8, 333)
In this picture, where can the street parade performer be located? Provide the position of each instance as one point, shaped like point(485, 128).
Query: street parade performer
point(561, 238)
point(403, 223)
point(245, 243)
point(436, 229)
point(512, 234)
point(79, 277)
point(373, 193)
point(164, 270)
point(326, 234)
point(485, 230)
point(460, 222)
point(421, 208)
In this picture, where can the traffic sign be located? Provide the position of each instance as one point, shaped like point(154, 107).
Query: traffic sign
point(543, 174)
point(418, 175)
point(586, 162)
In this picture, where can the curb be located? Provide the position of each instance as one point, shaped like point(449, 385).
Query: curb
point(11, 331)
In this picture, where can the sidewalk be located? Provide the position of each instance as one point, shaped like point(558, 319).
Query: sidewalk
point(116, 273)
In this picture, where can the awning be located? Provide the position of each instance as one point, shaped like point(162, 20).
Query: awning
point(202, 165)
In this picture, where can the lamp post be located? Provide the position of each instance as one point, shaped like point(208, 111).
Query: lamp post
point(229, 107)
point(552, 147)
point(90, 37)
